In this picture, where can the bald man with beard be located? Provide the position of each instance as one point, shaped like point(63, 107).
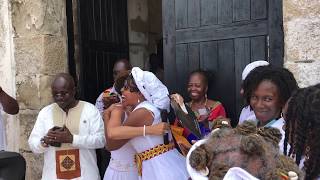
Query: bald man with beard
point(68, 131)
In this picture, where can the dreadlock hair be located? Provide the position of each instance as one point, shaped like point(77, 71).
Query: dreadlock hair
point(303, 127)
point(248, 147)
point(281, 77)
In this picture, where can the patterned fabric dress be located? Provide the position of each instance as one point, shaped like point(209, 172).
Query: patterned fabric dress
point(215, 111)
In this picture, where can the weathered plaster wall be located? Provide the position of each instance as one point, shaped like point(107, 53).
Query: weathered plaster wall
point(145, 27)
point(138, 31)
point(40, 52)
point(302, 39)
point(155, 24)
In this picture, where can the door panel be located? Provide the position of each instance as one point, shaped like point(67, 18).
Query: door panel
point(209, 9)
point(221, 36)
point(104, 39)
point(225, 11)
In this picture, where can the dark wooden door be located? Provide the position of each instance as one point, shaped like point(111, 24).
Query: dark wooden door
point(220, 36)
point(104, 39)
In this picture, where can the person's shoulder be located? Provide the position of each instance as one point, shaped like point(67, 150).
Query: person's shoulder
point(279, 123)
point(147, 105)
point(213, 104)
point(87, 105)
point(45, 110)
point(47, 107)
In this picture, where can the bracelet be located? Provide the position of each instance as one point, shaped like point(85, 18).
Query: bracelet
point(144, 130)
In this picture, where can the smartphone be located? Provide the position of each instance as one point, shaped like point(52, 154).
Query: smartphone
point(57, 128)
point(56, 144)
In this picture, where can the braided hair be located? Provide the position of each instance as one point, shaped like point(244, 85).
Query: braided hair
point(281, 77)
point(303, 127)
point(248, 147)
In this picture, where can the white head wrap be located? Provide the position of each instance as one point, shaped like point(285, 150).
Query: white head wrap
point(251, 66)
point(151, 88)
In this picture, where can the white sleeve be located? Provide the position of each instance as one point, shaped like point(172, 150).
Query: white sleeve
point(95, 138)
point(99, 103)
point(37, 133)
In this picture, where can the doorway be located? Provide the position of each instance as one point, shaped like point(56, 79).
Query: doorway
point(104, 39)
point(220, 36)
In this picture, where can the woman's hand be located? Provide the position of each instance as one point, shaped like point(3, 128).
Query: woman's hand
point(109, 100)
point(158, 129)
point(107, 112)
point(178, 98)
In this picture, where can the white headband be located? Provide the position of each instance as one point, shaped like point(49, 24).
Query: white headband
point(251, 67)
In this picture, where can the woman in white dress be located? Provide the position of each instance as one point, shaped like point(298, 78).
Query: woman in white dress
point(122, 165)
point(155, 160)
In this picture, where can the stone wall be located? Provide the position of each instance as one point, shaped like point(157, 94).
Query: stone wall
point(40, 52)
point(145, 29)
point(138, 31)
point(301, 20)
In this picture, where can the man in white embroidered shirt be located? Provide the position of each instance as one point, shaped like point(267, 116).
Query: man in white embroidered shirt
point(68, 132)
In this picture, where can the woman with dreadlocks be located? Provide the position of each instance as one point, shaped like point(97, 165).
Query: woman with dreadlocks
point(246, 152)
point(267, 89)
point(302, 130)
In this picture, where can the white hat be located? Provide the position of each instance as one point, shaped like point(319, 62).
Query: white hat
point(151, 88)
point(251, 67)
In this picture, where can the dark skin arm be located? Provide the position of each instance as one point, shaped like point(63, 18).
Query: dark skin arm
point(9, 104)
point(138, 118)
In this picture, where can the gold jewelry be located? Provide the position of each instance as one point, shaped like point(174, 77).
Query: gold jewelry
point(205, 102)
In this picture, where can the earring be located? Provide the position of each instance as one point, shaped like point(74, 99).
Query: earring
point(138, 101)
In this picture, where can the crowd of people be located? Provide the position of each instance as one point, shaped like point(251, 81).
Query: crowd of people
point(276, 137)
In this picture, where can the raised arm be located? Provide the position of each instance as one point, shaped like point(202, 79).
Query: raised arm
point(9, 104)
point(118, 135)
